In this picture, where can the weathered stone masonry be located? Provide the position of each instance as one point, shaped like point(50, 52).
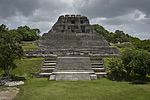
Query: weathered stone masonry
point(73, 50)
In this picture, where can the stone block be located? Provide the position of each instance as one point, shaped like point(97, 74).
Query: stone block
point(52, 77)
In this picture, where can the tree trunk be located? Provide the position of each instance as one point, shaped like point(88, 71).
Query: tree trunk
point(6, 73)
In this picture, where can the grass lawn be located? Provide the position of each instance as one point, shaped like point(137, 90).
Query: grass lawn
point(29, 46)
point(27, 66)
point(103, 89)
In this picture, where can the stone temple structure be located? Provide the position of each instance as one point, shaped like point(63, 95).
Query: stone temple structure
point(73, 50)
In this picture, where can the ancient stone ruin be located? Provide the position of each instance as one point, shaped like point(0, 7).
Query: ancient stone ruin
point(73, 50)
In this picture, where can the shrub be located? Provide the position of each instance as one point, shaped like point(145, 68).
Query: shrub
point(115, 69)
point(132, 64)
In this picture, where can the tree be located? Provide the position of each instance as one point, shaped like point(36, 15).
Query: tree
point(142, 44)
point(10, 50)
point(136, 62)
point(28, 34)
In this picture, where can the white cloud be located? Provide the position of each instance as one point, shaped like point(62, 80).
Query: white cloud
point(131, 16)
point(134, 23)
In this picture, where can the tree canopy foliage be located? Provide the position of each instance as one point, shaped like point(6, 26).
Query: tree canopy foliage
point(121, 37)
point(117, 36)
point(27, 34)
point(10, 49)
point(143, 44)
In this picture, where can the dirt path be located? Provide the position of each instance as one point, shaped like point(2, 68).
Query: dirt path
point(8, 93)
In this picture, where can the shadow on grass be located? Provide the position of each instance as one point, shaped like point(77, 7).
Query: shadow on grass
point(17, 78)
point(141, 80)
point(135, 80)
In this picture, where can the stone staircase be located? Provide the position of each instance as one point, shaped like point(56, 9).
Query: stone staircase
point(66, 68)
point(72, 68)
point(98, 67)
point(49, 64)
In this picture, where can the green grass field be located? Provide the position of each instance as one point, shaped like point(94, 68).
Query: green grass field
point(29, 46)
point(102, 89)
point(27, 66)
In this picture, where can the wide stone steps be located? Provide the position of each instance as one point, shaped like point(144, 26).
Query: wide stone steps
point(47, 61)
point(98, 69)
point(45, 74)
point(73, 71)
point(101, 73)
point(46, 71)
point(49, 64)
point(49, 69)
point(97, 63)
point(72, 76)
point(98, 66)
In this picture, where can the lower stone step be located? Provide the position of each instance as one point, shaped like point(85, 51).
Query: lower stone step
point(47, 68)
point(98, 68)
point(47, 61)
point(93, 77)
point(52, 77)
point(96, 63)
point(101, 74)
point(45, 74)
point(72, 76)
point(49, 64)
point(73, 72)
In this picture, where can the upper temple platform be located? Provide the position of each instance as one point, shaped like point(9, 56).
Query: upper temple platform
point(72, 23)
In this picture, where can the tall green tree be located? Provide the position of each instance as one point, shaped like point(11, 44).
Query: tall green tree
point(28, 34)
point(121, 37)
point(10, 50)
point(136, 62)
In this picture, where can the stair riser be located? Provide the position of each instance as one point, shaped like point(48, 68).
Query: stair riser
point(99, 70)
point(47, 69)
point(49, 61)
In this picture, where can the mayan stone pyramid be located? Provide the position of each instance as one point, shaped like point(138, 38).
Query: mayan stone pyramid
point(75, 33)
point(79, 50)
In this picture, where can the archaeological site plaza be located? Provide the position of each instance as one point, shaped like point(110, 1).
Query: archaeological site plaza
point(73, 50)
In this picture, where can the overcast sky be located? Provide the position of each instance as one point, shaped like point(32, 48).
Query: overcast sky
point(131, 16)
